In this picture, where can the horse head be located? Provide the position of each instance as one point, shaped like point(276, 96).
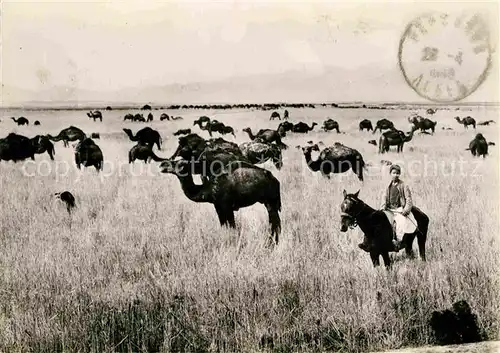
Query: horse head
point(348, 210)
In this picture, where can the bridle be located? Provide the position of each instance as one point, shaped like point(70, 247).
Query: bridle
point(353, 224)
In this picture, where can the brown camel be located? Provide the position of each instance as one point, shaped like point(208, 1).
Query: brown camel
point(466, 121)
point(71, 133)
point(478, 146)
point(394, 138)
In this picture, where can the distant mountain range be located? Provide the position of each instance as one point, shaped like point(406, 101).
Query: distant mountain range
point(365, 84)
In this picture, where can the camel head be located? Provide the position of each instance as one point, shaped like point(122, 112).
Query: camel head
point(458, 119)
point(479, 137)
point(176, 167)
point(308, 149)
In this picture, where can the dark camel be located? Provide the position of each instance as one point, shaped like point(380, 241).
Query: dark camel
point(486, 123)
point(365, 124)
point(284, 127)
point(275, 115)
point(71, 133)
point(164, 116)
point(330, 125)
point(21, 121)
point(383, 124)
point(394, 138)
point(95, 135)
point(16, 148)
point(201, 120)
point(478, 146)
point(129, 117)
point(466, 121)
point(335, 159)
point(143, 152)
point(42, 144)
point(95, 115)
point(242, 185)
point(285, 115)
point(140, 118)
point(217, 126)
point(258, 152)
point(146, 136)
point(37, 123)
point(150, 117)
point(422, 123)
point(176, 117)
point(182, 132)
point(266, 136)
point(303, 127)
point(88, 154)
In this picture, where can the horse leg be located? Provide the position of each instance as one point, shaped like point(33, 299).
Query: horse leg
point(387, 259)
point(408, 244)
point(421, 233)
point(375, 258)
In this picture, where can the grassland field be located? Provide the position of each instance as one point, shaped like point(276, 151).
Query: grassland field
point(140, 268)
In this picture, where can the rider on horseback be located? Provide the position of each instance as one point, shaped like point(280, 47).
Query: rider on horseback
point(397, 203)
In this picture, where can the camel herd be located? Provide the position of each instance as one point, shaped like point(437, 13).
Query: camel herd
point(231, 178)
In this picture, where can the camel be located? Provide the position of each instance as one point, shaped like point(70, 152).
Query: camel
point(284, 127)
point(466, 121)
point(431, 111)
point(258, 152)
point(140, 118)
point(95, 115)
point(129, 117)
point(478, 146)
point(67, 198)
point(394, 138)
point(365, 124)
point(241, 185)
point(217, 126)
point(266, 136)
point(372, 142)
point(21, 121)
point(37, 123)
point(383, 124)
point(176, 117)
point(303, 127)
point(145, 136)
point(164, 116)
point(89, 154)
point(331, 124)
point(16, 148)
point(71, 133)
point(193, 145)
point(201, 120)
point(182, 132)
point(423, 123)
point(150, 117)
point(275, 115)
point(486, 123)
point(143, 152)
point(285, 115)
point(42, 144)
point(335, 159)
point(95, 135)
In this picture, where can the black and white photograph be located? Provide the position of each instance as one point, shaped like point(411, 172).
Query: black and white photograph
point(249, 176)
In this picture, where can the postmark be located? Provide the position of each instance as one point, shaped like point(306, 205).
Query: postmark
point(443, 57)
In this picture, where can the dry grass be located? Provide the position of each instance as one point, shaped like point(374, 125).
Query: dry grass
point(138, 267)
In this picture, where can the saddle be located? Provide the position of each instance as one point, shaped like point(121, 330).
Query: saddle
point(409, 224)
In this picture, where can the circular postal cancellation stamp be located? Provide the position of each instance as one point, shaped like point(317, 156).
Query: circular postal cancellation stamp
point(445, 58)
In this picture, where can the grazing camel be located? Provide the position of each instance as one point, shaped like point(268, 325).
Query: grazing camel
point(143, 152)
point(182, 132)
point(71, 133)
point(42, 144)
point(164, 116)
point(335, 159)
point(275, 115)
point(241, 185)
point(422, 123)
point(258, 152)
point(129, 117)
point(95, 115)
point(365, 124)
point(89, 154)
point(331, 124)
point(150, 117)
point(466, 121)
point(146, 136)
point(37, 123)
point(383, 124)
point(266, 136)
point(478, 146)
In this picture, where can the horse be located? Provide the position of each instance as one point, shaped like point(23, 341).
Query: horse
point(378, 230)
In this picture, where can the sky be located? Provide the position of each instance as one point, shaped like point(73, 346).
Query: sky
point(108, 46)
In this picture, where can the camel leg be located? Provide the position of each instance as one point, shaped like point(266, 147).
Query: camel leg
point(221, 215)
point(230, 218)
point(274, 221)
